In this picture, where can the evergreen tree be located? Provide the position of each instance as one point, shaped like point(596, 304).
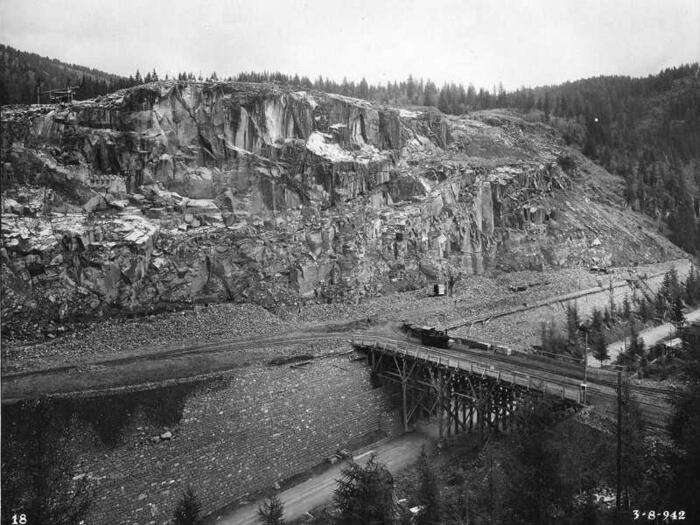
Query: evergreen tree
point(597, 337)
point(365, 494)
point(677, 315)
point(660, 305)
point(607, 318)
point(38, 456)
point(363, 89)
point(553, 341)
point(670, 288)
point(546, 105)
point(502, 99)
point(428, 495)
point(532, 487)
point(188, 508)
point(573, 322)
point(611, 293)
point(692, 287)
point(644, 311)
point(636, 342)
point(684, 430)
point(411, 90)
point(635, 352)
point(684, 229)
point(430, 97)
point(626, 309)
point(271, 512)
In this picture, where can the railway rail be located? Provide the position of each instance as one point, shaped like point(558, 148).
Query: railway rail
point(601, 392)
point(565, 376)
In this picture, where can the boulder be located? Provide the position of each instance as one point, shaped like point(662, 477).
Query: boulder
point(95, 203)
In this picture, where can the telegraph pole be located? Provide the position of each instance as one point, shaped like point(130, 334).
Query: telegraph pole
point(585, 370)
point(619, 441)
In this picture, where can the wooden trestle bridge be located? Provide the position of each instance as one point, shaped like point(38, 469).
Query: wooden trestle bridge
point(463, 393)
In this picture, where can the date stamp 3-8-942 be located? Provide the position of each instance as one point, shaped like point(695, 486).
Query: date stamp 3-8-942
point(664, 515)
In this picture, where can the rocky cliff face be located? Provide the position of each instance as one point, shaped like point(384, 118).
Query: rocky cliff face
point(175, 192)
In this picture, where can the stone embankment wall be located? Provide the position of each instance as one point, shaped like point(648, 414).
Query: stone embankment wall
point(261, 425)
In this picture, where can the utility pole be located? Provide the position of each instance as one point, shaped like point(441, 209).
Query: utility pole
point(491, 485)
point(619, 442)
point(584, 385)
point(466, 503)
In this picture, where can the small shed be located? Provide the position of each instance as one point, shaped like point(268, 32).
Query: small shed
point(673, 346)
point(439, 289)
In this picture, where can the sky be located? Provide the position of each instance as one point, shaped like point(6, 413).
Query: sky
point(483, 42)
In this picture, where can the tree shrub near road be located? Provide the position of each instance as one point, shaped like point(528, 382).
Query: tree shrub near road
point(635, 352)
point(553, 341)
point(531, 488)
point(38, 463)
point(365, 495)
point(685, 429)
point(428, 495)
point(271, 512)
point(188, 508)
point(666, 305)
point(677, 315)
point(596, 339)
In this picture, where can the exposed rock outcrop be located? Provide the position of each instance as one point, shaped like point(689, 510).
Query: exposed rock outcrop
point(174, 192)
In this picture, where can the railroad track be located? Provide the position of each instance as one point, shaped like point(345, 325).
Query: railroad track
point(279, 340)
point(650, 399)
point(556, 373)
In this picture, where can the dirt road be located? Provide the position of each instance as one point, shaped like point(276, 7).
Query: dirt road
point(396, 455)
point(650, 336)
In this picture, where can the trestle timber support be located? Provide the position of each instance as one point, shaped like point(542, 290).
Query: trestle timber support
point(462, 400)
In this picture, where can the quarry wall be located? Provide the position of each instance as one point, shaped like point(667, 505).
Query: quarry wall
point(170, 193)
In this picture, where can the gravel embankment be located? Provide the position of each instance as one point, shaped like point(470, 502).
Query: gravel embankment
point(205, 325)
point(475, 296)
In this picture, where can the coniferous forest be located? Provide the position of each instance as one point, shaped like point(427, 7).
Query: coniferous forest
point(646, 130)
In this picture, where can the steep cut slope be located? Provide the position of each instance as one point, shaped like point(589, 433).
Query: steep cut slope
point(174, 192)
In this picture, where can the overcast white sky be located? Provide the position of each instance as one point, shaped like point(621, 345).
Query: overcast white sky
point(527, 42)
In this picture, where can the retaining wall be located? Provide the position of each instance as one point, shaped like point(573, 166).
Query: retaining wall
point(261, 425)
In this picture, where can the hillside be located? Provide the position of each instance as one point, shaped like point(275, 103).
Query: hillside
point(646, 130)
point(177, 192)
point(22, 74)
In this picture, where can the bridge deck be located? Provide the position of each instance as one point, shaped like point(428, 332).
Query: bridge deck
point(555, 379)
point(565, 390)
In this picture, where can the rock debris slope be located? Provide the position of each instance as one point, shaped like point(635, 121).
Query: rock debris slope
point(175, 192)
